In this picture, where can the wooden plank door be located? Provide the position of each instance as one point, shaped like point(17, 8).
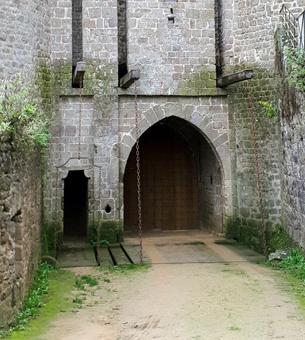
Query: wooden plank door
point(169, 183)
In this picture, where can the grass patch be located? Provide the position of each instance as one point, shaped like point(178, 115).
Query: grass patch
point(125, 269)
point(292, 270)
point(57, 300)
point(82, 281)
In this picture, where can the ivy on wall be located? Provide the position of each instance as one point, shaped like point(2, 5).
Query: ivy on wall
point(294, 59)
point(21, 120)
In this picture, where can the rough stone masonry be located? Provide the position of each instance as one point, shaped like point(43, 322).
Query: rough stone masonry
point(196, 145)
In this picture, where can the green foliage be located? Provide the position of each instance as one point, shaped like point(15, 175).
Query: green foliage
point(124, 269)
point(81, 281)
point(50, 238)
point(294, 264)
point(33, 301)
point(105, 232)
point(293, 268)
point(268, 109)
point(21, 121)
point(279, 240)
point(56, 301)
point(295, 67)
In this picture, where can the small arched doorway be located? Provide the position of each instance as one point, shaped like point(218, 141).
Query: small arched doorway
point(75, 204)
point(169, 183)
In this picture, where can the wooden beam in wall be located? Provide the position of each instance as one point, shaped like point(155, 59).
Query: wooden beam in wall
point(129, 78)
point(234, 78)
point(79, 72)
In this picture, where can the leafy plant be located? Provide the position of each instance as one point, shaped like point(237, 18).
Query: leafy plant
point(34, 299)
point(295, 67)
point(294, 263)
point(21, 120)
point(268, 109)
point(85, 279)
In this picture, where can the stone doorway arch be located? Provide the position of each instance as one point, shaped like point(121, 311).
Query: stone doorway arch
point(181, 180)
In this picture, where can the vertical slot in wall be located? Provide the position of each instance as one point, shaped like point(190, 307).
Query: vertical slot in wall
point(77, 35)
point(218, 10)
point(122, 38)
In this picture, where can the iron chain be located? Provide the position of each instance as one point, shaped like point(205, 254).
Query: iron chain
point(258, 180)
point(80, 116)
point(138, 170)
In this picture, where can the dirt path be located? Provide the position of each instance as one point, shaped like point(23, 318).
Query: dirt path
point(210, 300)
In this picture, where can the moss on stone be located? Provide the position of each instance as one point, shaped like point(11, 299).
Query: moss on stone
point(51, 237)
point(198, 84)
point(106, 230)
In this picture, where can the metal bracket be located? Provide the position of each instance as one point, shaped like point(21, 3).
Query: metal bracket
point(129, 78)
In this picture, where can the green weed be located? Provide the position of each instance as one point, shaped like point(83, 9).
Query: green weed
point(33, 301)
point(295, 61)
point(294, 264)
point(83, 280)
point(60, 284)
point(22, 121)
point(268, 109)
point(125, 269)
point(293, 270)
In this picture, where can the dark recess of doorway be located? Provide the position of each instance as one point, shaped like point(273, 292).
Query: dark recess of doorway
point(75, 205)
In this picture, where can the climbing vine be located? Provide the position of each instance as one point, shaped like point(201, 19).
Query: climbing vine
point(295, 67)
point(21, 120)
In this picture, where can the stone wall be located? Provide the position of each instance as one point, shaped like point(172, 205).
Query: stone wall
point(20, 212)
point(292, 110)
point(24, 37)
point(85, 124)
point(24, 48)
point(293, 169)
point(249, 44)
point(173, 45)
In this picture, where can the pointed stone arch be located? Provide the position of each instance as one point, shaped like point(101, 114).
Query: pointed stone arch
point(211, 177)
point(208, 116)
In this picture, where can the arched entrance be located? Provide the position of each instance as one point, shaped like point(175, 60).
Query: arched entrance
point(169, 183)
point(75, 204)
point(181, 180)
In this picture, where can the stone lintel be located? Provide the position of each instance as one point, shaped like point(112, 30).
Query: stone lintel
point(129, 78)
point(79, 73)
point(234, 78)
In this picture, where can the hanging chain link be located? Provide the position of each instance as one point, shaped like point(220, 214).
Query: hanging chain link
point(258, 181)
point(80, 116)
point(99, 219)
point(138, 169)
point(57, 211)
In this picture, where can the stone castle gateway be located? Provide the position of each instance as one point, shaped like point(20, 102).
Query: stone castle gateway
point(183, 118)
point(100, 63)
